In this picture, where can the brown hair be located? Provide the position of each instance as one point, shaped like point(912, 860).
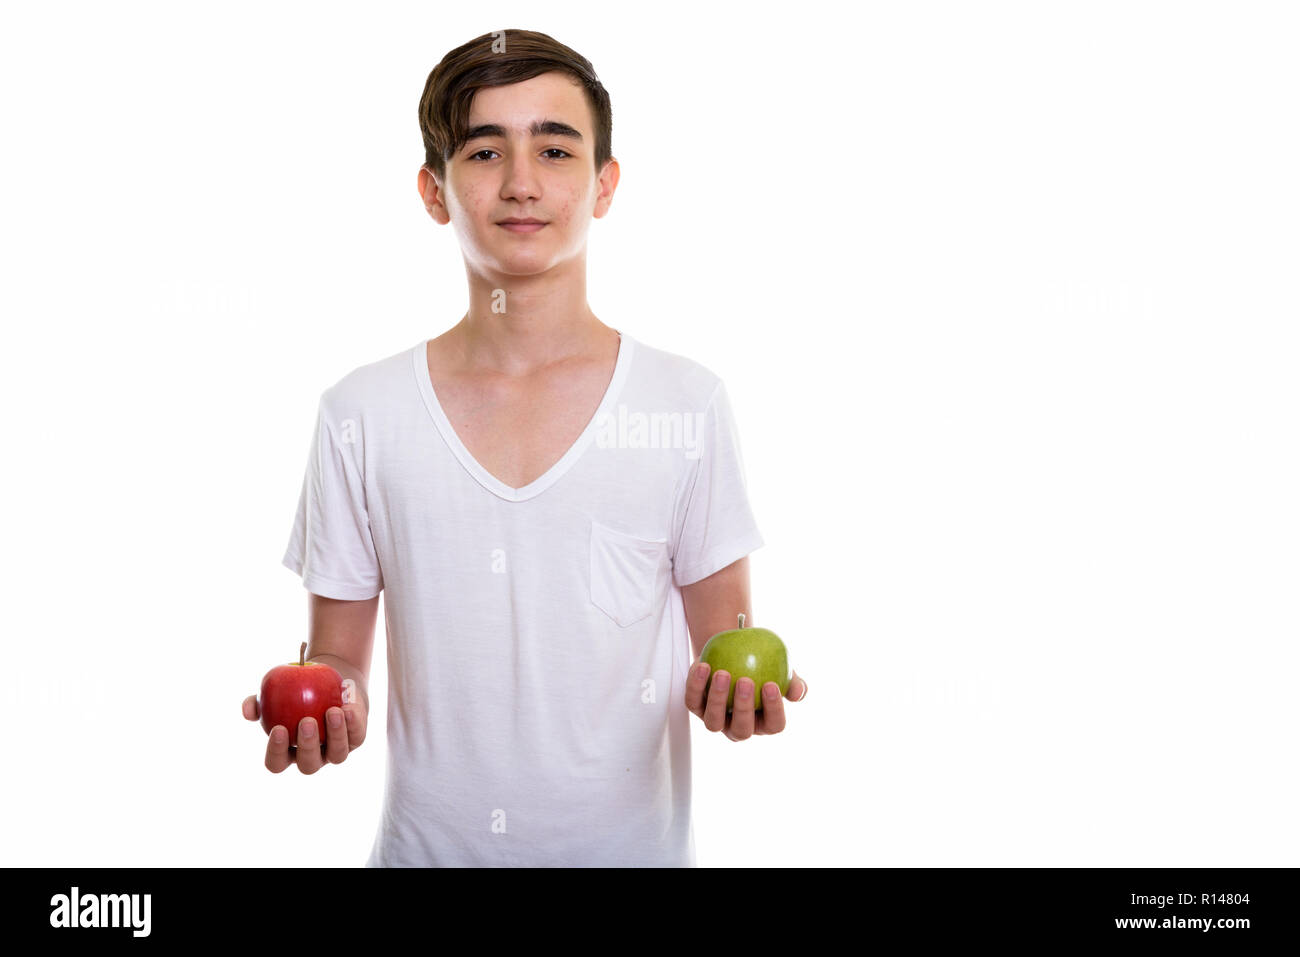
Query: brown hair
point(450, 89)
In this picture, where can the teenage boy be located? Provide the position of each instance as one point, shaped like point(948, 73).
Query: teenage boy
point(546, 560)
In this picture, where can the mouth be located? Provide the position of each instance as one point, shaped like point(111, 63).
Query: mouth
point(521, 225)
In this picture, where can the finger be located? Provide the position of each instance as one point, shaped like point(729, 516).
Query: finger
point(773, 721)
point(798, 689)
point(742, 713)
point(355, 716)
point(250, 707)
point(336, 736)
point(308, 755)
point(715, 712)
point(697, 688)
point(277, 750)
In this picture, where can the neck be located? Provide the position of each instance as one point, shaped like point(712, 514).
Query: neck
point(516, 324)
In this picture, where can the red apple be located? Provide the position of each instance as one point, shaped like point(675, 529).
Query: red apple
point(300, 689)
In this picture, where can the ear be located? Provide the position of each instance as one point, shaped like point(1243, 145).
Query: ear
point(606, 183)
point(431, 194)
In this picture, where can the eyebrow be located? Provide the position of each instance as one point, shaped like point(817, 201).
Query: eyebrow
point(539, 128)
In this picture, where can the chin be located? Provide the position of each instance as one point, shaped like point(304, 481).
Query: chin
point(531, 262)
point(518, 266)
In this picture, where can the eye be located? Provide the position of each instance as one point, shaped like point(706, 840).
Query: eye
point(474, 157)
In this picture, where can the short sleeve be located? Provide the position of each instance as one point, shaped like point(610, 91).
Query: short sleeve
point(713, 521)
point(331, 546)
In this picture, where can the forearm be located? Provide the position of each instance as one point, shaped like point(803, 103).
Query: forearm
point(714, 603)
point(341, 634)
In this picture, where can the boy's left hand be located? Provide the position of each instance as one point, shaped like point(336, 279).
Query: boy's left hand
point(743, 721)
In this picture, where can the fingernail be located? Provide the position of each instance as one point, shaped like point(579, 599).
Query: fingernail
point(720, 680)
point(335, 719)
point(308, 729)
point(770, 692)
point(744, 688)
point(701, 670)
point(278, 735)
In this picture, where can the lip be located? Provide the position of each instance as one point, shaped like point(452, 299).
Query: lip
point(522, 225)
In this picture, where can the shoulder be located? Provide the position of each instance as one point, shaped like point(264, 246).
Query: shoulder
point(372, 385)
point(675, 377)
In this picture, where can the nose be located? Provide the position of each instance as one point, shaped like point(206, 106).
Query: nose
point(521, 177)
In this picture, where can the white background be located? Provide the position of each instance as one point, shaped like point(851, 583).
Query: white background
point(1005, 298)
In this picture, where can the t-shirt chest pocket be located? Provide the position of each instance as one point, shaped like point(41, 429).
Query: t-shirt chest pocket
point(624, 573)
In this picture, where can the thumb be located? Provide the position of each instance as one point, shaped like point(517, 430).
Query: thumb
point(798, 689)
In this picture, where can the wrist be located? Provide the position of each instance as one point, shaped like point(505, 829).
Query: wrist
point(350, 672)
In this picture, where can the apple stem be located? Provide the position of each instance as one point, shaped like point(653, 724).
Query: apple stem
point(302, 655)
point(741, 619)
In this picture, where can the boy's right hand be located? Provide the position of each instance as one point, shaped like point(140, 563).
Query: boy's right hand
point(344, 732)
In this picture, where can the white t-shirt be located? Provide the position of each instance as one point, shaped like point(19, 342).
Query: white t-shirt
point(537, 643)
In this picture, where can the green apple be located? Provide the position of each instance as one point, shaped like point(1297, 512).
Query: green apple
point(754, 653)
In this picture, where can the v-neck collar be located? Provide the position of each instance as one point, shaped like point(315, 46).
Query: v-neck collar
point(420, 362)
